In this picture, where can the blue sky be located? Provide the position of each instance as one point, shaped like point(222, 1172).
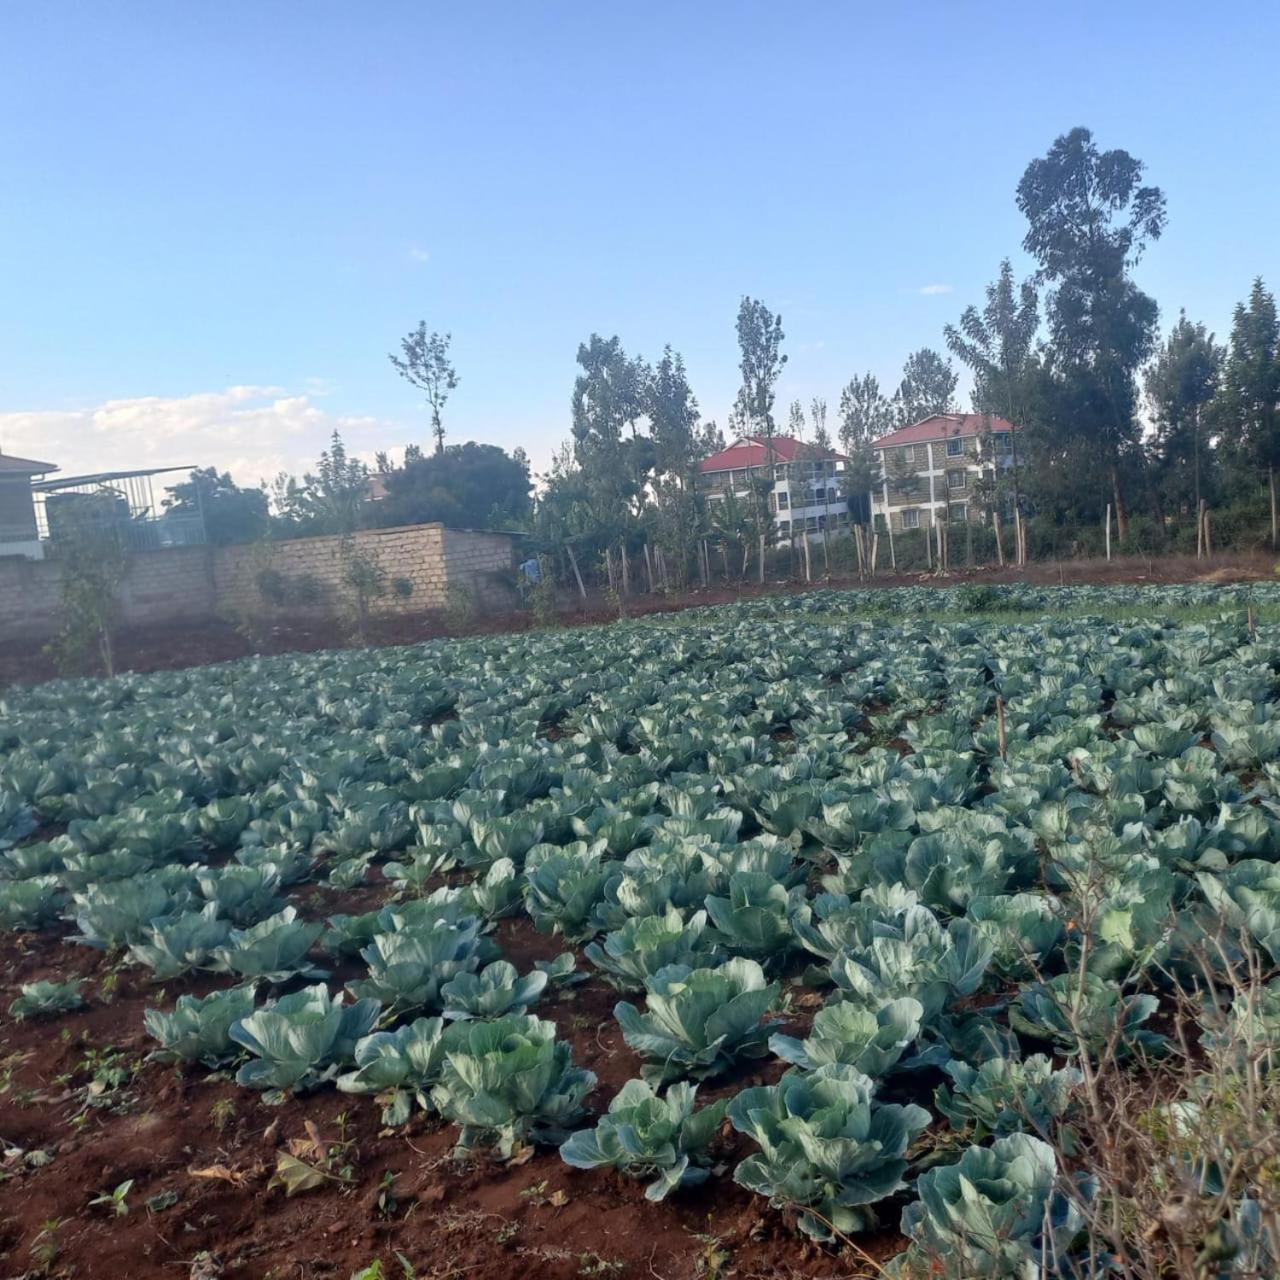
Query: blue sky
point(216, 220)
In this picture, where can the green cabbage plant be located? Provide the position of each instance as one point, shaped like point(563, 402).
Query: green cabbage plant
point(1091, 1016)
point(274, 950)
point(198, 1028)
point(698, 1022)
point(508, 1082)
point(826, 1148)
point(497, 990)
point(408, 968)
point(994, 1213)
point(1007, 1095)
point(300, 1041)
point(399, 1067)
point(35, 903)
point(181, 943)
point(870, 1039)
point(45, 999)
point(564, 886)
point(645, 1134)
point(755, 919)
point(631, 955)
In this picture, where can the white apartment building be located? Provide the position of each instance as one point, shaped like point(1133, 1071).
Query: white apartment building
point(806, 495)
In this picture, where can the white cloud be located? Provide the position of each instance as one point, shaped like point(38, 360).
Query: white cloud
point(419, 255)
point(251, 431)
point(932, 290)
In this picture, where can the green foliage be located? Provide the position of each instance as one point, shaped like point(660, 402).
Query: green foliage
point(631, 955)
point(181, 943)
point(826, 1147)
point(494, 992)
point(872, 1040)
point(45, 999)
point(698, 1022)
point(409, 967)
point(1086, 1015)
point(274, 950)
point(399, 1067)
point(198, 1028)
point(645, 1134)
point(300, 1041)
point(508, 1082)
point(1003, 1096)
point(992, 1213)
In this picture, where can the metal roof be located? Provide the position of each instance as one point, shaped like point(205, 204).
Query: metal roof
point(104, 477)
point(23, 466)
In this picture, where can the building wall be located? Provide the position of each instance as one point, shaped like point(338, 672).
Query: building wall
point(190, 584)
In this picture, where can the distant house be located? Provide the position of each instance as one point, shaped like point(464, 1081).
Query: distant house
point(930, 469)
point(19, 533)
point(805, 493)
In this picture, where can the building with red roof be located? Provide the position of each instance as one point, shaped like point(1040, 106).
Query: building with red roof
point(931, 469)
point(805, 492)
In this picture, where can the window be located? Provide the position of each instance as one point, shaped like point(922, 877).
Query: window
point(955, 447)
point(832, 494)
point(784, 500)
point(957, 479)
point(1004, 443)
point(911, 518)
point(822, 522)
point(784, 528)
point(959, 512)
point(811, 522)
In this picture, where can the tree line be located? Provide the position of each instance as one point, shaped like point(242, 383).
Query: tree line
point(1109, 413)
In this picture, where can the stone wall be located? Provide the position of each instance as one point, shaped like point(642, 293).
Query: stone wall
point(419, 565)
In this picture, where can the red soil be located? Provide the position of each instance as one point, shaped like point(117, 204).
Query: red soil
point(177, 1132)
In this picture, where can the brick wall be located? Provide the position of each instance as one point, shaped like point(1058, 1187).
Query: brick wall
point(193, 583)
point(169, 585)
point(427, 559)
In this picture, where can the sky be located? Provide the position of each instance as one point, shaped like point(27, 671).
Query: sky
point(217, 220)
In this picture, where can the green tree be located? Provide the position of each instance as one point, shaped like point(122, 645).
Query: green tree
point(865, 414)
point(1249, 411)
point(795, 421)
point(928, 386)
point(761, 359)
point(609, 402)
point(678, 518)
point(466, 486)
point(93, 561)
point(672, 410)
point(425, 364)
point(1089, 219)
point(231, 514)
point(818, 413)
point(329, 500)
point(1181, 383)
point(997, 344)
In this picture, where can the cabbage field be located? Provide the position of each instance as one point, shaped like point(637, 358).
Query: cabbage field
point(912, 932)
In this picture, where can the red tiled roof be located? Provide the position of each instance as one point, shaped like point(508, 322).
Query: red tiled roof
point(23, 466)
point(749, 451)
point(942, 426)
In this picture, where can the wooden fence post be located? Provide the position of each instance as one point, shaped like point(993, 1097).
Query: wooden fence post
point(995, 524)
point(1108, 533)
